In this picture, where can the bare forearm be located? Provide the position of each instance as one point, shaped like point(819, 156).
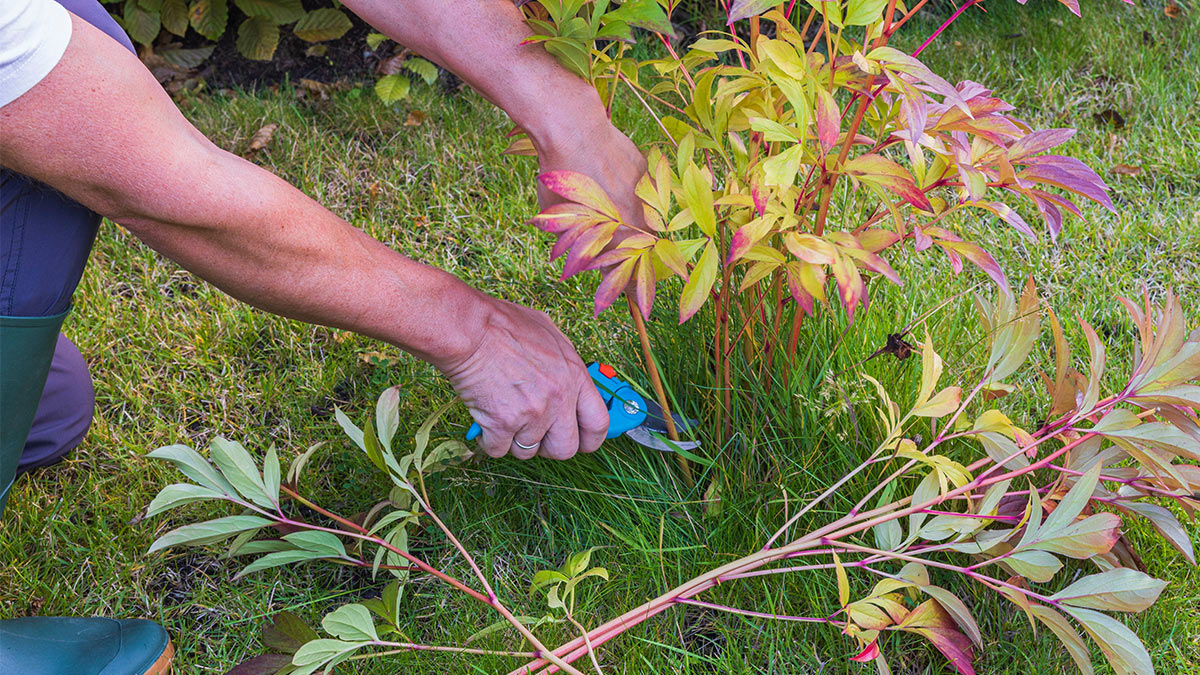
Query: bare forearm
point(480, 41)
point(275, 248)
point(100, 129)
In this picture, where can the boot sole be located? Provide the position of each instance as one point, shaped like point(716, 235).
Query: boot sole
point(163, 665)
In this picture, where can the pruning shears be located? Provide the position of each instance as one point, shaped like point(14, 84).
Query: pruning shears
point(629, 413)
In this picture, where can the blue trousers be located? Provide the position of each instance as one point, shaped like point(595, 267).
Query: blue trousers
point(45, 240)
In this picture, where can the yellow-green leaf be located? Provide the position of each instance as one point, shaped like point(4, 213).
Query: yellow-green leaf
point(696, 290)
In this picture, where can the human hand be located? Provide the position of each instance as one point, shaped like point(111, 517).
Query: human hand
point(527, 388)
point(603, 153)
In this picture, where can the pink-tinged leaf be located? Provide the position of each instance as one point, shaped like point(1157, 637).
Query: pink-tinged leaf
point(810, 248)
point(992, 127)
point(560, 217)
point(877, 240)
point(565, 241)
point(653, 220)
point(874, 263)
point(645, 286)
point(901, 62)
point(1070, 174)
point(748, 235)
point(796, 287)
point(1050, 215)
point(850, 285)
point(588, 246)
point(1072, 5)
point(579, 188)
point(930, 620)
point(980, 258)
point(869, 653)
point(889, 175)
point(612, 257)
point(829, 119)
point(613, 285)
point(695, 291)
point(759, 194)
point(1038, 141)
point(668, 253)
point(744, 9)
point(1008, 215)
point(921, 240)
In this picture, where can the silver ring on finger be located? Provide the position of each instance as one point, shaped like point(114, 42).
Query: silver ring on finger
point(526, 447)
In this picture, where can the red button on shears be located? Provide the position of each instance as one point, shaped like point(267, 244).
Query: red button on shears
point(606, 370)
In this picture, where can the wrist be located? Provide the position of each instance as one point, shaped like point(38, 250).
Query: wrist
point(572, 123)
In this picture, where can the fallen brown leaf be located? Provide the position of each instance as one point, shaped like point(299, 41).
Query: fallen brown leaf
point(260, 139)
point(1126, 170)
point(379, 359)
point(520, 146)
point(415, 118)
point(1172, 10)
point(320, 89)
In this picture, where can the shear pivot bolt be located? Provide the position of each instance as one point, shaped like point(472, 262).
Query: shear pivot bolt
point(631, 408)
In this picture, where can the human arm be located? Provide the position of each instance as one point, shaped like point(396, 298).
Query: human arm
point(100, 129)
point(480, 41)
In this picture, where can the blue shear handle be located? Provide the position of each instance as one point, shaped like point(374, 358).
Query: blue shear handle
point(626, 407)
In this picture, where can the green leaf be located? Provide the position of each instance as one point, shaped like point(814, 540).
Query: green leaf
point(351, 623)
point(392, 88)
point(955, 607)
point(422, 68)
point(238, 467)
point(259, 546)
point(141, 24)
point(207, 532)
point(322, 24)
point(863, 12)
point(1119, 589)
point(781, 169)
point(1072, 505)
point(646, 14)
point(375, 39)
point(1034, 565)
point(696, 290)
point(180, 494)
point(322, 651)
point(1125, 652)
point(209, 17)
point(1067, 635)
point(1166, 524)
point(174, 16)
point(1083, 539)
point(257, 38)
point(286, 633)
point(271, 474)
point(278, 559)
point(278, 11)
point(191, 464)
point(325, 543)
point(843, 582)
point(297, 466)
point(698, 196)
point(186, 58)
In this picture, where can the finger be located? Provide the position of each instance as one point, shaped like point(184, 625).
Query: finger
point(562, 438)
point(528, 441)
point(592, 418)
point(495, 443)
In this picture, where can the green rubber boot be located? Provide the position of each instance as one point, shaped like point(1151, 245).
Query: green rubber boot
point(58, 645)
point(26, 349)
point(45, 645)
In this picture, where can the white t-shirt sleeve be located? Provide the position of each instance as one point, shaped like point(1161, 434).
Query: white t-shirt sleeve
point(33, 37)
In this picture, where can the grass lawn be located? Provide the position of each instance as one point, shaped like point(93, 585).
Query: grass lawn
point(176, 361)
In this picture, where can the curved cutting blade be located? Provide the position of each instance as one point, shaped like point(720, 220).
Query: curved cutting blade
point(642, 435)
